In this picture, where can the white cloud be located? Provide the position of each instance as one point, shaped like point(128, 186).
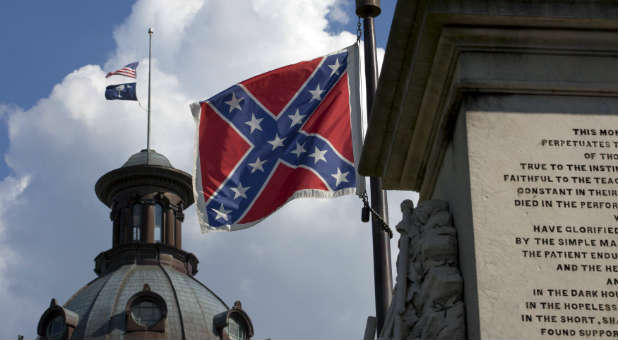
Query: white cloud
point(339, 12)
point(4, 109)
point(312, 256)
point(11, 189)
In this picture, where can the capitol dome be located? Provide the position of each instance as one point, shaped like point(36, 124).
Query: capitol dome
point(190, 307)
point(145, 287)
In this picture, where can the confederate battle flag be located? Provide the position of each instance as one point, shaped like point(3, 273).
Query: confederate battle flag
point(288, 133)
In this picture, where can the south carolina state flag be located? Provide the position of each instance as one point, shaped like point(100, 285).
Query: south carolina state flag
point(288, 133)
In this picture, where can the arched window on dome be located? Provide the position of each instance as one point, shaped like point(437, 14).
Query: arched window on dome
point(146, 311)
point(136, 223)
point(57, 322)
point(158, 223)
point(234, 324)
point(55, 328)
point(236, 329)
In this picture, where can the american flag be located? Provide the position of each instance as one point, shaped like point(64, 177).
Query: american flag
point(281, 135)
point(127, 71)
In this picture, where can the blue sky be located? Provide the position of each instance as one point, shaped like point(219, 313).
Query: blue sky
point(65, 136)
point(46, 40)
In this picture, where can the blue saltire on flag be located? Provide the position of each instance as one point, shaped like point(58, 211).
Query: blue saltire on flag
point(121, 92)
point(288, 133)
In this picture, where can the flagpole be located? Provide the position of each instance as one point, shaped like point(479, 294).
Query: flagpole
point(149, 67)
point(368, 9)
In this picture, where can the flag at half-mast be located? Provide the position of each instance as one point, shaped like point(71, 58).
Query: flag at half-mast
point(125, 91)
point(129, 70)
point(121, 92)
point(289, 133)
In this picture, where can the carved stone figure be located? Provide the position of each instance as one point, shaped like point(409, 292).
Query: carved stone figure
point(428, 297)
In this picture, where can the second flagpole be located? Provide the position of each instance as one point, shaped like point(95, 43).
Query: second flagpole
point(368, 9)
point(149, 68)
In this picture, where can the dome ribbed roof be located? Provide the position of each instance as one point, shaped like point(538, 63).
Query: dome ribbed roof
point(101, 304)
point(155, 159)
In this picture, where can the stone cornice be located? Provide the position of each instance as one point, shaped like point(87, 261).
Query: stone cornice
point(435, 56)
point(145, 253)
point(141, 175)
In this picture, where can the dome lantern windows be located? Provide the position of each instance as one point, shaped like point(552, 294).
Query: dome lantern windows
point(148, 220)
point(136, 223)
point(158, 223)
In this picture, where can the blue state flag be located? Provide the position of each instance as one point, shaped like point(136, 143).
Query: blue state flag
point(121, 92)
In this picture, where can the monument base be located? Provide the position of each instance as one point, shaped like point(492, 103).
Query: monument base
point(534, 196)
point(506, 110)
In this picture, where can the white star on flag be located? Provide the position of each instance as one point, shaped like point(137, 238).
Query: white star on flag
point(318, 155)
point(234, 103)
point(277, 142)
point(254, 123)
point(299, 149)
point(334, 67)
point(240, 191)
point(257, 165)
point(340, 177)
point(296, 118)
point(221, 213)
point(317, 93)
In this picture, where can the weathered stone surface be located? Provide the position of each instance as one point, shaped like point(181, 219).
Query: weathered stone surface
point(544, 202)
point(428, 299)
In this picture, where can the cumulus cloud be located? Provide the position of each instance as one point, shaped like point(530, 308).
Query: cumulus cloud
point(305, 272)
point(339, 12)
point(11, 189)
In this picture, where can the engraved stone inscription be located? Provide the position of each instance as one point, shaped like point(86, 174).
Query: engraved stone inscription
point(544, 190)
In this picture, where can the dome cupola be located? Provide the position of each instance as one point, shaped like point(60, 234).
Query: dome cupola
point(145, 286)
point(147, 196)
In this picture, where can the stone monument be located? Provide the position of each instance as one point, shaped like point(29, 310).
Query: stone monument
point(507, 112)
